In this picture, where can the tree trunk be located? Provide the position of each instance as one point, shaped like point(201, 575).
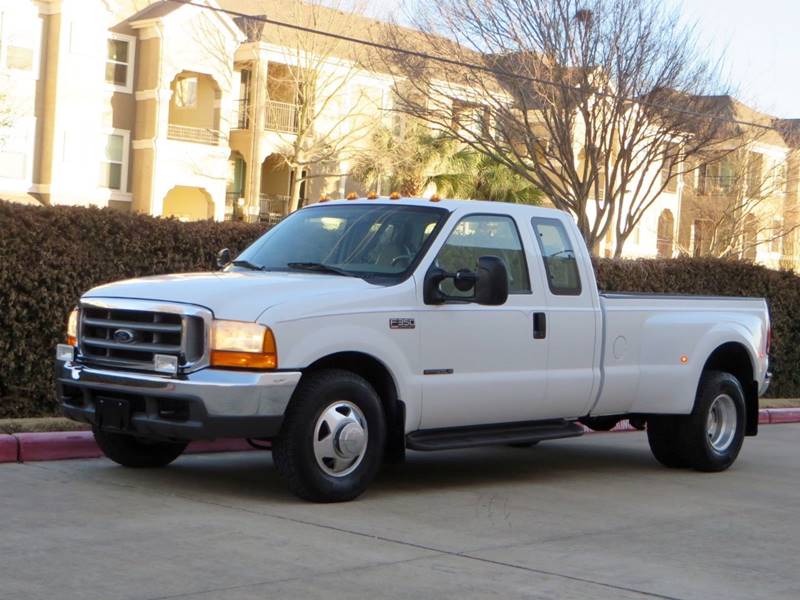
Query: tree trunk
point(294, 191)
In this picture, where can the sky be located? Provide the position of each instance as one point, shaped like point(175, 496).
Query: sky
point(760, 45)
point(759, 41)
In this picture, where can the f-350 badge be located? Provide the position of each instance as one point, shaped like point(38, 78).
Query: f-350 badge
point(401, 324)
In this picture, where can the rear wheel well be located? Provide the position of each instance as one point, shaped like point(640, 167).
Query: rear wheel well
point(379, 377)
point(733, 358)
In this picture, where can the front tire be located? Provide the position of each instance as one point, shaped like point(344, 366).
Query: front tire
point(333, 437)
point(137, 453)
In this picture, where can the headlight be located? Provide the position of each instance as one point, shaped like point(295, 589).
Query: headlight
point(243, 345)
point(72, 328)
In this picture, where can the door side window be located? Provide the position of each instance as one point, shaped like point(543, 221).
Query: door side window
point(559, 257)
point(484, 235)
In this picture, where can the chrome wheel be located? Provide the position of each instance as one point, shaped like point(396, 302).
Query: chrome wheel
point(340, 438)
point(721, 423)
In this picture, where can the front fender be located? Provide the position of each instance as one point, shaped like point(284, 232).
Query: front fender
point(304, 342)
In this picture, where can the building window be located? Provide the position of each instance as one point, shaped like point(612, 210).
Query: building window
point(186, 92)
point(776, 236)
point(114, 161)
point(19, 41)
point(666, 234)
point(119, 61)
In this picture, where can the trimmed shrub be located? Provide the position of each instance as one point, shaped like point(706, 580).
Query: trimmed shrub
point(49, 256)
point(716, 277)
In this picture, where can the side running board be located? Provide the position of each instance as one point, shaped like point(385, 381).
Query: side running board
point(489, 435)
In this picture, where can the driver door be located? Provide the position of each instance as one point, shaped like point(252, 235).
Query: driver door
point(482, 364)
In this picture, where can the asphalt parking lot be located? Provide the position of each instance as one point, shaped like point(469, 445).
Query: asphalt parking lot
point(588, 518)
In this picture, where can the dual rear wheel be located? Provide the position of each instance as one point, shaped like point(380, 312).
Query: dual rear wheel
point(708, 439)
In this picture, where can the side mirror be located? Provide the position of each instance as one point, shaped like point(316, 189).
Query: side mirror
point(489, 281)
point(491, 288)
point(223, 258)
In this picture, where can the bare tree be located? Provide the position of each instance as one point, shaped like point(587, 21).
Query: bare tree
point(595, 102)
point(316, 106)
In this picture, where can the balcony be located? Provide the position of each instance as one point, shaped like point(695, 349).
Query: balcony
point(283, 117)
point(273, 207)
point(198, 135)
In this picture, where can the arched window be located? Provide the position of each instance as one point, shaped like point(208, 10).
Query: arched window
point(666, 234)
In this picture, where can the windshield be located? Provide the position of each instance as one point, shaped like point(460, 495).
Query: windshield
point(369, 241)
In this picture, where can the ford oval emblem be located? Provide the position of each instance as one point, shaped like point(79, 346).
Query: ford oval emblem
point(124, 336)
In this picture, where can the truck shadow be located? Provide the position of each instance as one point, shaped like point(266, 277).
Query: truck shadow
point(253, 476)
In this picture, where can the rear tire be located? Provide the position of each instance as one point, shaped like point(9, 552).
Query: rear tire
point(333, 437)
point(663, 434)
point(714, 432)
point(710, 438)
point(137, 453)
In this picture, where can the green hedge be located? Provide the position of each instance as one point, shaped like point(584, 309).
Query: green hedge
point(49, 256)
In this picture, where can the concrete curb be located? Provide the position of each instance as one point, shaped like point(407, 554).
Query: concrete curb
point(63, 445)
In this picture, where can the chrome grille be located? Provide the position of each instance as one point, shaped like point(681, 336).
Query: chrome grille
point(127, 337)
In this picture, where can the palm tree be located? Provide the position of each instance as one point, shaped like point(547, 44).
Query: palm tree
point(419, 158)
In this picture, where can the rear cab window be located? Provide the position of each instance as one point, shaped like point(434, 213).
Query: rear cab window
point(560, 264)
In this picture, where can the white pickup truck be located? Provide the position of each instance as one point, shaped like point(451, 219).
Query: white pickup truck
point(356, 329)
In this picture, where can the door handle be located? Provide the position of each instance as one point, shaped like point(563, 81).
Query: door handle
point(539, 326)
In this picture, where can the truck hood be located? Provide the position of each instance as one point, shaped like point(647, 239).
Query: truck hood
point(235, 295)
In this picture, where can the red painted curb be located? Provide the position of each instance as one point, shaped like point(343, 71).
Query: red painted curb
point(63, 445)
point(784, 415)
point(56, 445)
point(8, 448)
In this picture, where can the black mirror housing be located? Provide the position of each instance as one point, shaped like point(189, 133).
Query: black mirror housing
point(491, 287)
point(223, 258)
point(489, 282)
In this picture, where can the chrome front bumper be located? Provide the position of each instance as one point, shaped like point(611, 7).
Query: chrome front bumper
point(206, 404)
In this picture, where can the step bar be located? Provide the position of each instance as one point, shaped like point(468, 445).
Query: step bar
point(490, 435)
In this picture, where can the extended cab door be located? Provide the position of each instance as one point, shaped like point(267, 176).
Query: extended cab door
point(574, 323)
point(482, 364)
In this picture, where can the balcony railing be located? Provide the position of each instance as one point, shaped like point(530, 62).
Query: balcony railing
point(199, 135)
point(273, 207)
point(282, 116)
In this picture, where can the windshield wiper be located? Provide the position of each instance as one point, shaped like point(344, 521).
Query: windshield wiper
point(247, 264)
point(319, 267)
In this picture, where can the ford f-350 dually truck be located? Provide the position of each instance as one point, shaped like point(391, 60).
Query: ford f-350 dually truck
point(357, 329)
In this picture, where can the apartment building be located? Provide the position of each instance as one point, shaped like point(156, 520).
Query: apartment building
point(742, 202)
point(161, 108)
point(170, 109)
